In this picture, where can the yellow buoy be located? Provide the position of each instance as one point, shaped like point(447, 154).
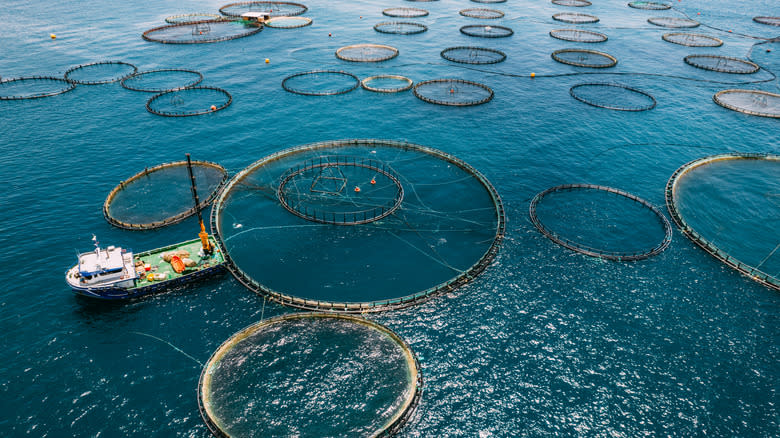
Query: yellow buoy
point(54, 37)
point(267, 60)
point(533, 75)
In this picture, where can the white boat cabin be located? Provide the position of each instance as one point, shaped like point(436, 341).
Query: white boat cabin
point(256, 18)
point(106, 266)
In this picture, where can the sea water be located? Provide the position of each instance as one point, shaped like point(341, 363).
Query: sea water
point(545, 342)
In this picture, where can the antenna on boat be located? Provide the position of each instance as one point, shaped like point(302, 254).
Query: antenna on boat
point(204, 236)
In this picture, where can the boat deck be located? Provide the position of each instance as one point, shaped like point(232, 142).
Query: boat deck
point(158, 265)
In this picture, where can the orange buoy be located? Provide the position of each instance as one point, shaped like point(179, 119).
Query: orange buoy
point(52, 36)
point(373, 181)
point(213, 107)
point(267, 60)
point(533, 75)
point(357, 189)
point(452, 91)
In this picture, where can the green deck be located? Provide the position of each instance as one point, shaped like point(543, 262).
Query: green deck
point(158, 265)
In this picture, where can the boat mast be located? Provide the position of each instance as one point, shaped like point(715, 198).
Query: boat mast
point(204, 236)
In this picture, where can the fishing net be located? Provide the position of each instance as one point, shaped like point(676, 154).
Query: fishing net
point(366, 53)
point(572, 17)
point(613, 96)
point(486, 31)
point(453, 92)
point(473, 55)
point(729, 205)
point(159, 81)
point(310, 374)
point(578, 35)
point(387, 83)
point(584, 58)
point(650, 5)
point(405, 12)
point(673, 22)
point(487, 14)
point(753, 102)
point(161, 195)
point(201, 32)
point(400, 27)
point(601, 222)
point(444, 232)
point(274, 9)
point(422, 1)
point(103, 72)
point(722, 64)
point(288, 22)
point(771, 21)
point(187, 18)
point(193, 101)
point(321, 83)
point(574, 3)
point(692, 39)
point(489, 1)
point(33, 87)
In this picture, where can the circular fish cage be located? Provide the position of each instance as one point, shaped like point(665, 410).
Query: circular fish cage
point(486, 31)
point(692, 39)
point(366, 53)
point(453, 92)
point(33, 87)
point(631, 234)
point(723, 64)
point(724, 203)
point(473, 55)
point(753, 102)
point(103, 72)
point(405, 12)
point(771, 21)
point(277, 378)
point(575, 18)
point(288, 22)
point(573, 3)
point(584, 58)
point(162, 80)
point(321, 83)
point(673, 22)
point(387, 83)
point(201, 32)
point(400, 27)
point(274, 9)
point(653, 6)
point(160, 195)
point(192, 101)
point(578, 35)
point(613, 96)
point(444, 233)
point(486, 14)
point(186, 18)
point(489, 1)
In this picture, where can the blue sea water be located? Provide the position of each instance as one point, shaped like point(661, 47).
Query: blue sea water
point(545, 342)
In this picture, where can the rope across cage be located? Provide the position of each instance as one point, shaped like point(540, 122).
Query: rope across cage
point(584, 58)
point(723, 64)
point(453, 92)
point(613, 96)
point(288, 22)
point(600, 252)
point(653, 6)
point(473, 55)
point(124, 218)
point(366, 53)
point(140, 81)
point(400, 27)
point(33, 87)
point(485, 14)
point(486, 31)
point(323, 83)
point(578, 35)
point(201, 32)
point(672, 188)
point(405, 12)
point(692, 39)
point(187, 102)
point(673, 22)
point(387, 83)
point(754, 102)
point(186, 18)
point(107, 72)
point(274, 9)
point(575, 18)
point(572, 3)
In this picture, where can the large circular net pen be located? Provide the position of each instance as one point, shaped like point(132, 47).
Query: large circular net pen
point(486, 31)
point(727, 204)
point(310, 374)
point(584, 58)
point(485, 14)
point(692, 39)
point(673, 22)
point(489, 1)
point(387, 83)
point(160, 195)
point(578, 35)
point(573, 3)
point(274, 9)
point(753, 102)
point(288, 22)
point(366, 53)
point(473, 55)
point(103, 72)
point(162, 80)
point(186, 18)
point(445, 231)
point(33, 87)
point(400, 27)
point(723, 64)
point(405, 12)
point(321, 83)
point(193, 101)
point(575, 18)
point(453, 92)
point(613, 96)
point(653, 6)
point(201, 32)
point(771, 21)
point(600, 221)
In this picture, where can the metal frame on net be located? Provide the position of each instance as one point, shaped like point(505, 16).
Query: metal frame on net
point(372, 306)
point(393, 52)
point(466, 30)
point(390, 428)
point(651, 6)
point(747, 270)
point(669, 37)
point(668, 22)
point(404, 79)
point(580, 18)
point(186, 18)
point(416, 27)
point(105, 81)
point(70, 85)
point(302, 22)
point(411, 12)
point(716, 98)
point(162, 70)
point(613, 85)
point(173, 219)
point(193, 113)
point(769, 21)
point(556, 33)
point(582, 64)
point(453, 81)
point(252, 30)
point(595, 252)
point(572, 3)
point(301, 8)
point(321, 93)
point(445, 52)
point(487, 14)
point(690, 60)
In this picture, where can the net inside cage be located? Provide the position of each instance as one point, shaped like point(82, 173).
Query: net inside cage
point(405, 12)
point(571, 17)
point(400, 27)
point(321, 83)
point(191, 101)
point(33, 87)
point(572, 3)
point(723, 64)
point(453, 92)
point(673, 22)
point(186, 18)
point(753, 102)
point(103, 72)
point(274, 9)
point(288, 22)
point(486, 31)
point(613, 96)
point(653, 6)
point(367, 53)
point(387, 83)
point(158, 81)
point(473, 55)
point(578, 35)
point(584, 58)
point(692, 39)
point(771, 21)
point(487, 14)
point(201, 32)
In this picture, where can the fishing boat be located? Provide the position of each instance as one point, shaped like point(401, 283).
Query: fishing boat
point(115, 273)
